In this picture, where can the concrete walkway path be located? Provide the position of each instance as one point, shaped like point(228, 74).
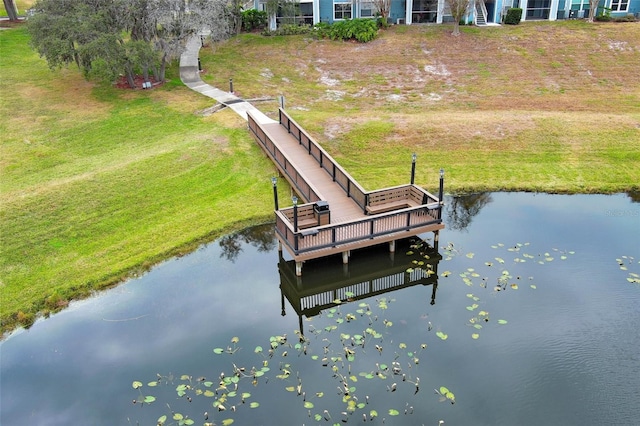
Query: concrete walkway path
point(190, 76)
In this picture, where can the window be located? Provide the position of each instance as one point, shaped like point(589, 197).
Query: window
point(367, 9)
point(341, 10)
point(580, 4)
point(538, 9)
point(619, 5)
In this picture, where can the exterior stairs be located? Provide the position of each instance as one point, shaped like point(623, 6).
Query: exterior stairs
point(481, 13)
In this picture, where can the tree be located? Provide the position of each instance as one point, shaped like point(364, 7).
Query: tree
point(107, 38)
point(458, 9)
point(593, 5)
point(383, 7)
point(462, 209)
point(12, 10)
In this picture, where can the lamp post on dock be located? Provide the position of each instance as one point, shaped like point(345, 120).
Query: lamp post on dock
point(414, 157)
point(295, 213)
point(441, 193)
point(274, 181)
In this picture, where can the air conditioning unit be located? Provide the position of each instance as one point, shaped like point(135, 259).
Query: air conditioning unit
point(400, 21)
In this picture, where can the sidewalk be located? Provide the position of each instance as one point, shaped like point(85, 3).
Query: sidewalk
point(190, 76)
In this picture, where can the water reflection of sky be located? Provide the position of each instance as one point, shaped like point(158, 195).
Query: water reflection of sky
point(567, 356)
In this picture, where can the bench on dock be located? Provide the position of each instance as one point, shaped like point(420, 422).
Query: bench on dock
point(310, 215)
point(390, 199)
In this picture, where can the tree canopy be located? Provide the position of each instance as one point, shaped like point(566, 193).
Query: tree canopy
point(108, 38)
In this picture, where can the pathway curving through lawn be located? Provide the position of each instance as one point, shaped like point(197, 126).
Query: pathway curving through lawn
point(190, 76)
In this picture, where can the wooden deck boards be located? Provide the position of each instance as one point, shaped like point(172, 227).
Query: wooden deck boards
point(342, 207)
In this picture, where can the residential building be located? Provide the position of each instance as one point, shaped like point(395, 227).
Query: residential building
point(484, 12)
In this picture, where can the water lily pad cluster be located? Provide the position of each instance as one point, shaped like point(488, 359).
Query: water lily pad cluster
point(495, 276)
point(624, 262)
point(349, 344)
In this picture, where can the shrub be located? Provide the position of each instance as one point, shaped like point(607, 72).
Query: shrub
point(514, 15)
point(288, 29)
point(322, 29)
point(253, 19)
point(627, 18)
point(604, 15)
point(362, 30)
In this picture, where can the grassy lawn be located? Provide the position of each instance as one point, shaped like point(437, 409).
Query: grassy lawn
point(98, 184)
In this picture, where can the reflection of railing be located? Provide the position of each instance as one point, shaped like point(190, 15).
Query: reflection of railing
point(337, 173)
point(303, 187)
point(374, 272)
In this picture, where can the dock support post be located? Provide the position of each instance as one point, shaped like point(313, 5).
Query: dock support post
point(298, 269)
point(436, 239)
point(392, 246)
point(345, 257)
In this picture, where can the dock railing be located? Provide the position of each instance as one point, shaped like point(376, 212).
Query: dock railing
point(354, 231)
point(303, 187)
point(326, 161)
point(379, 200)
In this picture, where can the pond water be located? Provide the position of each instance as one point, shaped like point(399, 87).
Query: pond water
point(528, 314)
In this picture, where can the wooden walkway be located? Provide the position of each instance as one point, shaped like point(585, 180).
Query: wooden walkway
point(336, 214)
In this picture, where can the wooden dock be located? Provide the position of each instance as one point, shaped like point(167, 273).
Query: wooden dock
point(337, 215)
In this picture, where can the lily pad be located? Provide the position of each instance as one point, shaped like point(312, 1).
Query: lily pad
point(442, 335)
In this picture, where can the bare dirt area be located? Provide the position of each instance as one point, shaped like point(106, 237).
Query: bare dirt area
point(546, 99)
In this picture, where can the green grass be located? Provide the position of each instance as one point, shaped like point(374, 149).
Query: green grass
point(99, 184)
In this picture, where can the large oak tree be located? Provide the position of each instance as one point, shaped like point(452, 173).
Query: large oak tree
point(108, 38)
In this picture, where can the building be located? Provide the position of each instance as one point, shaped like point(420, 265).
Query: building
point(485, 12)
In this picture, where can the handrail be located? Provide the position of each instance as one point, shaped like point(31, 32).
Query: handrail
point(427, 197)
point(303, 186)
point(348, 184)
point(483, 9)
point(333, 235)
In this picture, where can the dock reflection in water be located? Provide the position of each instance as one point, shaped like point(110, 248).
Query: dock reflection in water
point(327, 282)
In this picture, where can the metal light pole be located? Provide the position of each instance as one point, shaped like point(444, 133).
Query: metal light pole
point(295, 213)
point(441, 193)
point(414, 157)
point(274, 181)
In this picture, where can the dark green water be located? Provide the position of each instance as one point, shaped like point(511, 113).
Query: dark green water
point(558, 343)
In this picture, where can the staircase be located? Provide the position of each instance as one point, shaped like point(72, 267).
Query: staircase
point(481, 13)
